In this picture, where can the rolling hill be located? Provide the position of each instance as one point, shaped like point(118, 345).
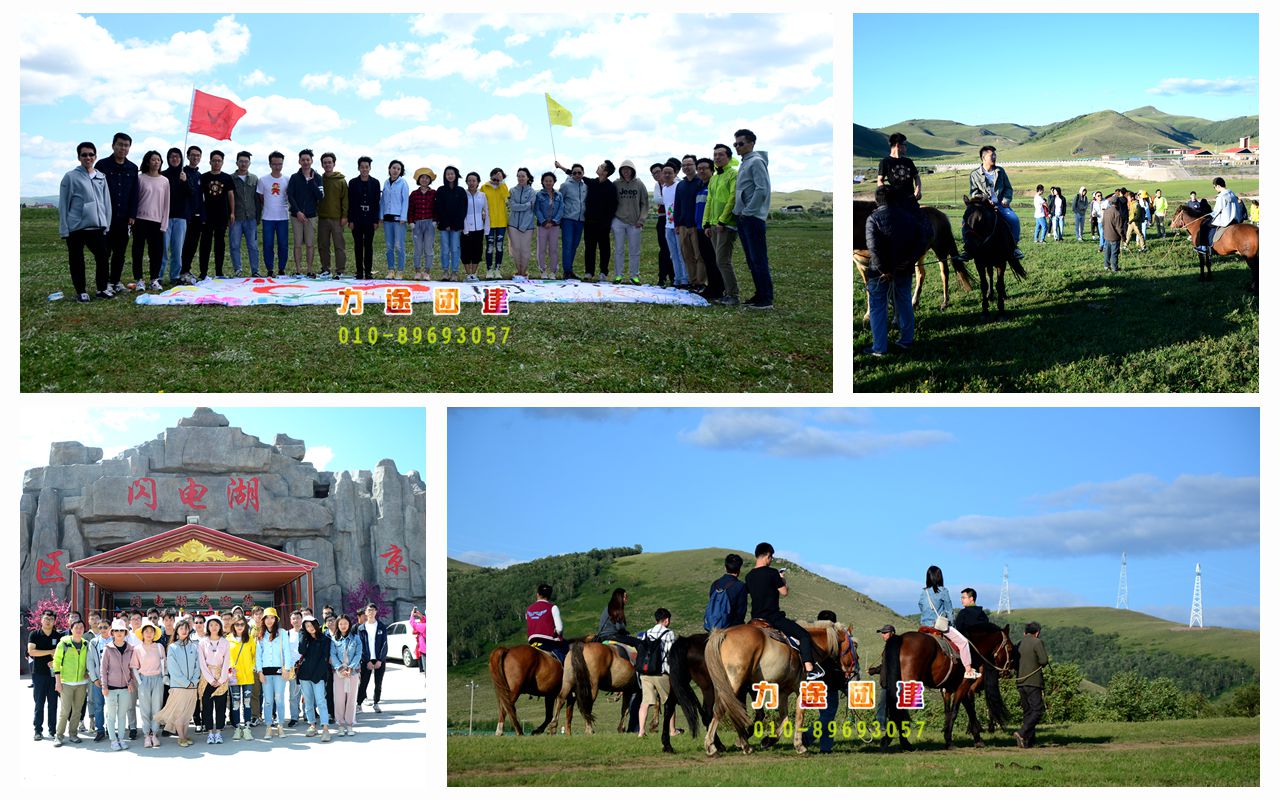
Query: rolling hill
point(1085, 136)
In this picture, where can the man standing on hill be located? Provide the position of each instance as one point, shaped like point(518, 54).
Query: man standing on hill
point(1032, 659)
point(765, 585)
point(727, 597)
point(543, 626)
point(751, 204)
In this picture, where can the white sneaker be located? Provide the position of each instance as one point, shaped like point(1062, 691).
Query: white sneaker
point(118, 288)
point(156, 286)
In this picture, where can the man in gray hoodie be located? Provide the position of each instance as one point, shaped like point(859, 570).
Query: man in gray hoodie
point(751, 205)
point(84, 215)
point(628, 221)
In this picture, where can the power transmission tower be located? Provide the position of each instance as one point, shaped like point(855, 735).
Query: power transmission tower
point(1197, 606)
point(1122, 595)
point(1004, 607)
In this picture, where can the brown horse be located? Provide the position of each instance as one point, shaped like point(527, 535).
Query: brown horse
point(742, 655)
point(1240, 239)
point(992, 249)
point(943, 246)
point(594, 667)
point(523, 670)
point(917, 656)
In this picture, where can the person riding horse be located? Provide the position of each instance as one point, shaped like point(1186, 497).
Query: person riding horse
point(990, 181)
point(1227, 210)
point(765, 585)
point(543, 627)
point(937, 612)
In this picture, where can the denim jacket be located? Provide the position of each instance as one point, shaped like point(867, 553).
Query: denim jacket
point(941, 601)
point(280, 652)
point(548, 208)
point(183, 665)
point(347, 652)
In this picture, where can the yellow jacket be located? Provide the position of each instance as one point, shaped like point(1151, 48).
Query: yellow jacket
point(243, 663)
point(497, 198)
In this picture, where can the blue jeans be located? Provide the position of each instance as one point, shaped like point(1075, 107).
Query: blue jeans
point(295, 697)
point(1015, 224)
point(677, 260)
point(1057, 227)
point(751, 235)
point(878, 290)
point(96, 701)
point(494, 243)
point(248, 228)
point(1079, 227)
point(277, 231)
point(1042, 229)
point(273, 699)
point(570, 238)
point(171, 261)
point(241, 703)
point(394, 233)
point(1111, 255)
point(313, 692)
point(450, 251)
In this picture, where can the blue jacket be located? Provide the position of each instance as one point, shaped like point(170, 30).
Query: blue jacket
point(686, 211)
point(347, 652)
point(278, 652)
point(548, 209)
point(395, 199)
point(183, 665)
point(520, 208)
point(379, 650)
point(737, 593)
point(574, 194)
point(304, 195)
point(941, 601)
point(122, 179)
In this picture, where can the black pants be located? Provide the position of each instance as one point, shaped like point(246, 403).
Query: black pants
point(362, 237)
point(1032, 710)
point(195, 227)
point(147, 234)
point(214, 705)
point(472, 247)
point(365, 672)
point(118, 245)
point(213, 236)
point(328, 692)
point(596, 235)
point(46, 699)
point(792, 629)
point(96, 240)
point(715, 281)
point(666, 268)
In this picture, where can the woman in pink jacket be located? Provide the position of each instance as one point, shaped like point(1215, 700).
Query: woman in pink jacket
point(215, 675)
point(419, 624)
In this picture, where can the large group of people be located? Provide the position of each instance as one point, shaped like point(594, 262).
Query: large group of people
point(763, 587)
point(119, 675)
point(179, 218)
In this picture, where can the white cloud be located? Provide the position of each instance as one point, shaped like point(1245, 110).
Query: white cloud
point(697, 118)
point(320, 456)
point(454, 55)
point(516, 39)
point(287, 118)
point(313, 81)
point(29, 443)
point(257, 78)
point(1210, 86)
point(1139, 514)
point(498, 128)
point(784, 436)
point(386, 61)
point(368, 89)
point(483, 558)
point(421, 137)
point(414, 108)
point(534, 84)
point(38, 146)
point(797, 125)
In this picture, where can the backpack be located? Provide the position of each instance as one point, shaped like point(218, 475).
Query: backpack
point(649, 656)
point(717, 613)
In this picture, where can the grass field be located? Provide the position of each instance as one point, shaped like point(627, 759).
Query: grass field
point(1071, 327)
point(118, 346)
point(1203, 752)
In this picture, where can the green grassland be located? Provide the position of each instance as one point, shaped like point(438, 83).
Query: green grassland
point(1072, 327)
point(1199, 752)
point(118, 346)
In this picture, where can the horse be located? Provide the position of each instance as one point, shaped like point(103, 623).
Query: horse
point(594, 667)
point(1240, 238)
point(917, 656)
point(943, 246)
point(523, 670)
point(992, 250)
point(686, 664)
point(741, 655)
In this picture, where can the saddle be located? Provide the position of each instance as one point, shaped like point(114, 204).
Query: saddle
point(547, 651)
point(624, 651)
point(947, 647)
point(775, 634)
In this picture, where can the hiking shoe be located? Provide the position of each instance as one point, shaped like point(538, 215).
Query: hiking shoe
point(83, 297)
point(816, 673)
point(311, 730)
point(156, 286)
point(377, 708)
point(248, 734)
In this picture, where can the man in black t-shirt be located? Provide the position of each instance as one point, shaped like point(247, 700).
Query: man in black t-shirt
point(219, 212)
point(41, 643)
point(899, 172)
point(765, 585)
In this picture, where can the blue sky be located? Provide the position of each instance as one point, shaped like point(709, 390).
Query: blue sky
point(336, 438)
point(871, 498)
point(1051, 67)
point(432, 89)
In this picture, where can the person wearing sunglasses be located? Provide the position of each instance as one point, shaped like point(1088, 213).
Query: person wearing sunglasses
point(751, 204)
point(84, 217)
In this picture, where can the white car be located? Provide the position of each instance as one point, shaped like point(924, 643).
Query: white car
point(402, 643)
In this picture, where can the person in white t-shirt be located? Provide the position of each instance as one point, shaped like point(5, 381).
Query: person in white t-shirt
point(654, 689)
point(275, 214)
point(1042, 220)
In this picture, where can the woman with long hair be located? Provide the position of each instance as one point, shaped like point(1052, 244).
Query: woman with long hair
point(613, 620)
point(183, 664)
point(244, 654)
point(937, 612)
point(395, 212)
point(272, 656)
point(313, 666)
point(152, 220)
point(475, 227)
point(345, 656)
point(450, 213)
point(215, 674)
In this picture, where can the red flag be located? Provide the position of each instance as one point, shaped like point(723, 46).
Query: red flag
point(214, 116)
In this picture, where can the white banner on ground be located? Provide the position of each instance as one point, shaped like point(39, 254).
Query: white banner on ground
point(304, 292)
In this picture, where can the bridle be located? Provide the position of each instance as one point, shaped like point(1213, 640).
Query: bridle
point(846, 646)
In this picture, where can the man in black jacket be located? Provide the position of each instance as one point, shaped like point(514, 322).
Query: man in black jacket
point(735, 592)
point(970, 614)
point(896, 237)
point(1081, 206)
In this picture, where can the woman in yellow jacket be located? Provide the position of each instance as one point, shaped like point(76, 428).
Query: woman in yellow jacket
point(497, 194)
point(243, 657)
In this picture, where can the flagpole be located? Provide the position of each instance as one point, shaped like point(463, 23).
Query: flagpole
point(191, 109)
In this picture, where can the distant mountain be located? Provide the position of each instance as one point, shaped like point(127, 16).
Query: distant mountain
point(461, 566)
point(52, 198)
point(1086, 136)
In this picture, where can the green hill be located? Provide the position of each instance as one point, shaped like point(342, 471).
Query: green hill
point(870, 143)
point(1090, 136)
point(461, 566)
point(949, 137)
point(1152, 634)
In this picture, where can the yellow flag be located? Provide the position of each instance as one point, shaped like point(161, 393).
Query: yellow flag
point(558, 114)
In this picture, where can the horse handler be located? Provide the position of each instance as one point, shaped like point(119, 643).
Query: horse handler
point(1032, 661)
point(897, 236)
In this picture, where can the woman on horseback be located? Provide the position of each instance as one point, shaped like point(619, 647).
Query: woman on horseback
point(937, 612)
point(613, 621)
